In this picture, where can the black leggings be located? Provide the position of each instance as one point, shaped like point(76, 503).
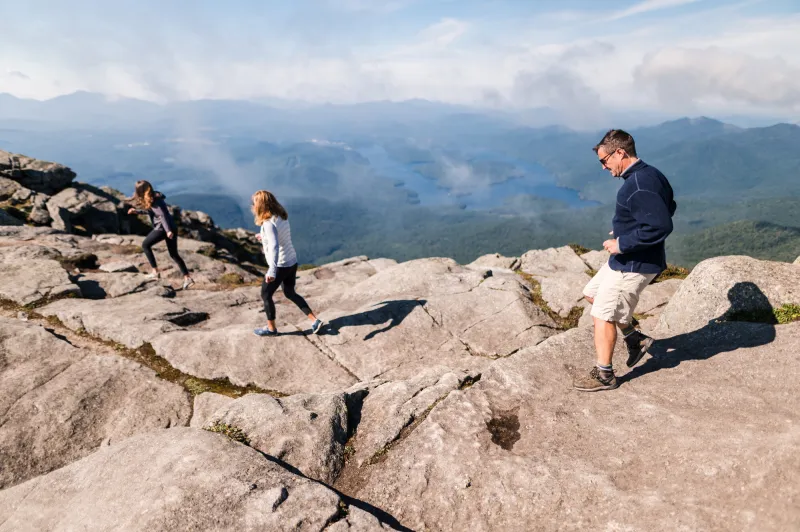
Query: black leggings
point(156, 236)
point(286, 276)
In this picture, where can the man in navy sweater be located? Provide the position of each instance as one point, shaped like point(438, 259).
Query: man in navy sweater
point(642, 222)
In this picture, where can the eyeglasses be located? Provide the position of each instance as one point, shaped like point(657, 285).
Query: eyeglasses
point(605, 159)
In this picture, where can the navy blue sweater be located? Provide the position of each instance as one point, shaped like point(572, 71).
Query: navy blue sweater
point(643, 220)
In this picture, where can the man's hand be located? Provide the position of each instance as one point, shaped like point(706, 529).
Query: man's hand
point(170, 235)
point(269, 279)
point(131, 211)
point(611, 246)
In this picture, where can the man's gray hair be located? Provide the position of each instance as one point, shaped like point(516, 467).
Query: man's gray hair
point(616, 139)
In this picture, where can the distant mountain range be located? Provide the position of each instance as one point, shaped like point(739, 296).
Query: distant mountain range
point(400, 179)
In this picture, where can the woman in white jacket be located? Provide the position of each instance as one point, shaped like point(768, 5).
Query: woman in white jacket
point(276, 239)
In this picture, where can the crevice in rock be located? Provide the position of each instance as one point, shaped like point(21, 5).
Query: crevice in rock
point(346, 501)
point(535, 289)
point(490, 316)
point(187, 319)
point(82, 261)
point(404, 433)
point(332, 355)
point(59, 336)
point(145, 356)
point(459, 340)
point(469, 381)
point(340, 514)
point(352, 477)
point(7, 304)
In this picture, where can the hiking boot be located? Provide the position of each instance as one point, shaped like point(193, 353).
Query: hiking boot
point(316, 327)
point(637, 344)
point(265, 331)
point(596, 380)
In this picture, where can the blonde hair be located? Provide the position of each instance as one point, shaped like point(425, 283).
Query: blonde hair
point(143, 194)
point(265, 206)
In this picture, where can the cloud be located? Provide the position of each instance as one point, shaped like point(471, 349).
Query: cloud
point(371, 6)
point(680, 75)
point(16, 74)
point(647, 6)
point(345, 51)
point(564, 91)
point(444, 32)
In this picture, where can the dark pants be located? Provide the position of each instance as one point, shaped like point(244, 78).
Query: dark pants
point(285, 276)
point(156, 236)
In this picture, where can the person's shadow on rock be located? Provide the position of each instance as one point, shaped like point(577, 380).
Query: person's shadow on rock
point(394, 312)
point(749, 322)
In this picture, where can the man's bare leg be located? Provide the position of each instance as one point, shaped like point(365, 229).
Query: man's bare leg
point(605, 337)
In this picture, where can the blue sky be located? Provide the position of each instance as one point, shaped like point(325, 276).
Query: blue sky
point(582, 57)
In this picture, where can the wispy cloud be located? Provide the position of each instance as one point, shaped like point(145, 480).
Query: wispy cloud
point(373, 6)
point(649, 5)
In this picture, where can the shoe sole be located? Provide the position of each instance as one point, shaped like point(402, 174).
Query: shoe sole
point(263, 335)
point(599, 389)
point(643, 351)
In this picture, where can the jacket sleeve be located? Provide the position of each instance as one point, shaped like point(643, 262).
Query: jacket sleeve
point(269, 241)
point(654, 221)
point(162, 212)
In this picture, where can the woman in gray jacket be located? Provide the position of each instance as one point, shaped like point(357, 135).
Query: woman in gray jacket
point(152, 204)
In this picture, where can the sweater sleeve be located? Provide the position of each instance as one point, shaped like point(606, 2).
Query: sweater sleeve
point(653, 219)
point(162, 213)
point(269, 241)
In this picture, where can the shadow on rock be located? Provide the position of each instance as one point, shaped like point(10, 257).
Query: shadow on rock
point(394, 312)
point(749, 322)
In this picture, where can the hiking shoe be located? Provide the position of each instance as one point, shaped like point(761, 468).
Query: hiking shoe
point(596, 380)
point(637, 344)
point(265, 331)
point(187, 282)
point(317, 326)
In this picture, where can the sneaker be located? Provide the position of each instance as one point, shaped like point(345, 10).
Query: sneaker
point(317, 326)
point(596, 380)
point(265, 331)
point(637, 344)
point(153, 275)
point(187, 282)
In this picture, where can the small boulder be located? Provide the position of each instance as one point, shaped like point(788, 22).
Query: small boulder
point(35, 174)
point(84, 206)
point(495, 261)
point(730, 288)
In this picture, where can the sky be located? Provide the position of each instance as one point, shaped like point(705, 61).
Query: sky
point(581, 57)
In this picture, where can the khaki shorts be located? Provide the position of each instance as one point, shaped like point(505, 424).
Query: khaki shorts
point(616, 293)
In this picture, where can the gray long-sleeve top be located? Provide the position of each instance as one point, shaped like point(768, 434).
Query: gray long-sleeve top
point(276, 239)
point(159, 214)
